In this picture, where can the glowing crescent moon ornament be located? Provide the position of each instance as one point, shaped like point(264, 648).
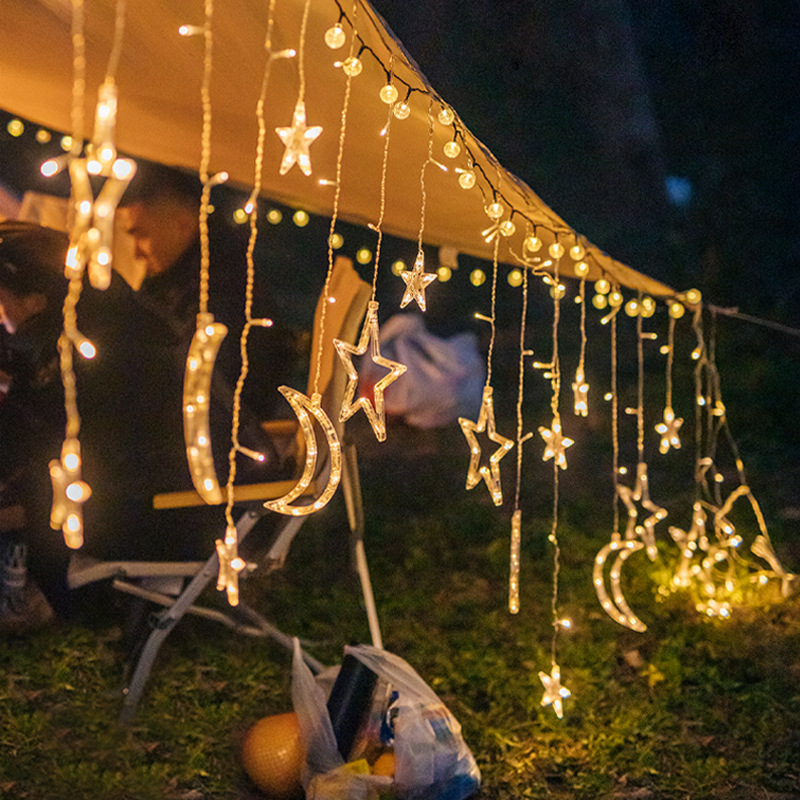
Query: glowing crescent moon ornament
point(196, 404)
point(618, 610)
point(303, 407)
point(369, 339)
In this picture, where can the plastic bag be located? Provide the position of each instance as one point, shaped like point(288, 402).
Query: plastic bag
point(432, 761)
point(444, 379)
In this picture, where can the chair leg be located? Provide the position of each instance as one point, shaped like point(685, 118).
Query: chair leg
point(351, 486)
point(169, 618)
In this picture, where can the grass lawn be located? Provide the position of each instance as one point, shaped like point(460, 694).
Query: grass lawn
point(691, 708)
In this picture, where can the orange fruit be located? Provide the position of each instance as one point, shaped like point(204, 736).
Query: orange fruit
point(273, 756)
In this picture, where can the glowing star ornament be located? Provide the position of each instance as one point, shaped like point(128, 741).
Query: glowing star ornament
point(478, 472)
point(416, 280)
point(669, 430)
point(555, 443)
point(230, 565)
point(581, 391)
point(369, 339)
point(298, 138)
point(69, 493)
point(554, 692)
point(641, 494)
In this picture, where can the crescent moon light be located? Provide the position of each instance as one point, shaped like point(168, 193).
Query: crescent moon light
point(306, 408)
point(196, 403)
point(618, 610)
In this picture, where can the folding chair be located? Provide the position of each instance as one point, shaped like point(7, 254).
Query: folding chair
point(347, 299)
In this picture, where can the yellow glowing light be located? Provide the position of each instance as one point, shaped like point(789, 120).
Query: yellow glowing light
point(581, 269)
point(466, 178)
point(335, 37)
point(446, 116)
point(577, 252)
point(69, 493)
point(477, 472)
point(398, 266)
point(43, 136)
point(477, 277)
point(507, 228)
point(641, 494)
point(676, 310)
point(352, 66)
point(364, 255)
point(532, 243)
point(647, 307)
point(555, 443)
point(632, 308)
point(693, 296)
point(240, 216)
point(556, 250)
point(297, 138)
point(600, 301)
point(300, 218)
point(66, 143)
point(444, 274)
point(369, 340)
point(515, 278)
point(274, 216)
point(554, 692)
point(495, 210)
point(452, 149)
point(15, 127)
point(615, 298)
point(389, 94)
point(401, 110)
point(602, 286)
point(618, 610)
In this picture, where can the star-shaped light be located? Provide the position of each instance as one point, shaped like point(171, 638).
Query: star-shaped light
point(416, 281)
point(692, 542)
point(581, 390)
point(641, 494)
point(369, 338)
point(554, 692)
point(478, 472)
point(298, 138)
point(555, 442)
point(669, 430)
point(230, 565)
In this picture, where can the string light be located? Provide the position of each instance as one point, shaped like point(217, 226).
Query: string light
point(554, 692)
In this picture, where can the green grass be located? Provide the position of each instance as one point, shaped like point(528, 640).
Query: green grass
point(692, 708)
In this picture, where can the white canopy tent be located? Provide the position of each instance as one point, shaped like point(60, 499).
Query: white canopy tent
point(159, 80)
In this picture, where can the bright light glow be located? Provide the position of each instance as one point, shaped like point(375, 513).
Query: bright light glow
point(49, 168)
point(364, 255)
point(274, 216)
point(477, 277)
point(398, 266)
point(43, 136)
point(300, 218)
point(15, 127)
point(515, 278)
point(444, 274)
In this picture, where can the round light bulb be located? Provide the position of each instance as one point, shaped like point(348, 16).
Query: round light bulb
point(495, 210)
point(676, 310)
point(507, 228)
point(398, 266)
point(615, 299)
point(15, 127)
point(336, 240)
point(477, 277)
point(557, 292)
point(556, 250)
point(274, 216)
point(43, 136)
point(401, 110)
point(444, 274)
point(389, 94)
point(532, 243)
point(466, 180)
point(335, 37)
point(632, 308)
point(300, 218)
point(577, 252)
point(693, 296)
point(602, 286)
point(515, 278)
point(452, 149)
point(600, 301)
point(446, 116)
point(581, 269)
point(647, 307)
point(364, 255)
point(352, 66)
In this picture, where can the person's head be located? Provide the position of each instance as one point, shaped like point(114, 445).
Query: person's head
point(160, 211)
point(31, 270)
